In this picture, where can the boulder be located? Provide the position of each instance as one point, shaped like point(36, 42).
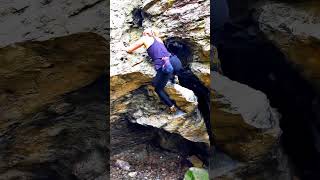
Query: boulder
point(143, 106)
point(245, 125)
point(295, 29)
point(246, 128)
point(65, 139)
point(202, 71)
point(33, 74)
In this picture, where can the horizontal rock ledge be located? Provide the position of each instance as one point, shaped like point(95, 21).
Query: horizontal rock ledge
point(143, 106)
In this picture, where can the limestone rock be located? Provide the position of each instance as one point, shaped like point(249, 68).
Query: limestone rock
point(245, 125)
point(188, 20)
point(142, 106)
point(184, 98)
point(126, 77)
point(202, 71)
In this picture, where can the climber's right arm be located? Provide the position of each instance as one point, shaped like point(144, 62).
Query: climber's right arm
point(135, 45)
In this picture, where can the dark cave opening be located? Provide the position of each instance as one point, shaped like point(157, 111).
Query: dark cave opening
point(248, 57)
point(138, 15)
point(183, 50)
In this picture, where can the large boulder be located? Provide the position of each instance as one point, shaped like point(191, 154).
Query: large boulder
point(143, 106)
point(202, 71)
point(247, 129)
point(244, 123)
point(35, 73)
point(295, 29)
point(53, 109)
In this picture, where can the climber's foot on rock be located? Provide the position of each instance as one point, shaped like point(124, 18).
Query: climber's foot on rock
point(178, 114)
point(172, 109)
point(175, 112)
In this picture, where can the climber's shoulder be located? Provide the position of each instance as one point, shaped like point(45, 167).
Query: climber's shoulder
point(147, 41)
point(159, 39)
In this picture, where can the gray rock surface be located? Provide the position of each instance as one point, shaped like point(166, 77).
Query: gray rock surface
point(44, 19)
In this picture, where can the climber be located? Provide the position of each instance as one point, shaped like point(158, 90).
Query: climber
point(165, 64)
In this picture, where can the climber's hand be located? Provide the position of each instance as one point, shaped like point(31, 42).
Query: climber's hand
point(128, 50)
point(135, 46)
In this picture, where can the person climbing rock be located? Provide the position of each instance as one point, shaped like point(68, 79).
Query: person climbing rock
point(166, 65)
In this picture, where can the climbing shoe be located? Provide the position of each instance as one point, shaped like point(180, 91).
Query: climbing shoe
point(178, 114)
point(172, 109)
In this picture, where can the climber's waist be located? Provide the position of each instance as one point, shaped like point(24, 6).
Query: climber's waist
point(159, 62)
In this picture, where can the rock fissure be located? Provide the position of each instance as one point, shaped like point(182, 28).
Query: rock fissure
point(258, 55)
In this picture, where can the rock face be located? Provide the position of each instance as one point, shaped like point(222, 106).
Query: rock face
point(189, 20)
point(53, 109)
point(131, 93)
point(143, 107)
point(245, 126)
point(202, 71)
point(46, 19)
point(176, 20)
point(35, 73)
point(295, 29)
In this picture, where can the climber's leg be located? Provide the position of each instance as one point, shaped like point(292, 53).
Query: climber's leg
point(176, 63)
point(177, 66)
point(159, 82)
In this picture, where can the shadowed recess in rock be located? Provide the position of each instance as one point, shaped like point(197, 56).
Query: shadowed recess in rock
point(136, 134)
point(187, 79)
point(181, 48)
point(138, 16)
point(247, 57)
point(65, 140)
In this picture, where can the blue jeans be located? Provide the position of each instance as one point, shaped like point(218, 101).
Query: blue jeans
point(177, 66)
point(159, 82)
point(161, 79)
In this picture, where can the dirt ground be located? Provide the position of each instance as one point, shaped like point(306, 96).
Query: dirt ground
point(133, 144)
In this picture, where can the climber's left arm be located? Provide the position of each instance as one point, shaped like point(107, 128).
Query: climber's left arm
point(135, 45)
